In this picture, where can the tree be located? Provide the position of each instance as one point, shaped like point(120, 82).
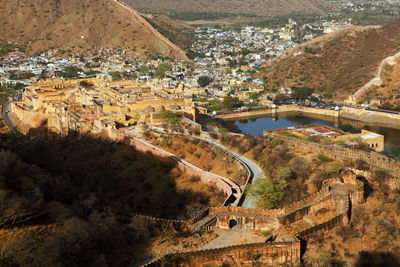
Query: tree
point(161, 70)
point(254, 96)
point(302, 92)
point(115, 75)
point(283, 173)
point(279, 98)
point(230, 101)
point(171, 119)
point(70, 72)
point(144, 71)
point(267, 193)
point(203, 81)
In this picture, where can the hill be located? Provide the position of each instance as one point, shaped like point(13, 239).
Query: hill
point(251, 7)
point(337, 64)
point(70, 201)
point(81, 24)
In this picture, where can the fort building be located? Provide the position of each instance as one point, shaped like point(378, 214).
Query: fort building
point(89, 105)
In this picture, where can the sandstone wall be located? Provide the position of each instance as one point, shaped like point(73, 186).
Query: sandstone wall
point(258, 212)
point(373, 158)
point(26, 116)
point(279, 253)
point(371, 116)
point(281, 109)
point(231, 190)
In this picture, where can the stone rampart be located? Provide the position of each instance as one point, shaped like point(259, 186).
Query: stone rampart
point(24, 115)
point(245, 114)
point(307, 201)
point(265, 219)
point(328, 228)
point(257, 212)
point(231, 190)
point(281, 109)
point(259, 219)
point(180, 225)
point(373, 158)
point(279, 253)
point(323, 230)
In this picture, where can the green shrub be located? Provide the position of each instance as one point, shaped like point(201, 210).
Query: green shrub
point(323, 158)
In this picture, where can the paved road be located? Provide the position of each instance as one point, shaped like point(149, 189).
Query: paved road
point(255, 171)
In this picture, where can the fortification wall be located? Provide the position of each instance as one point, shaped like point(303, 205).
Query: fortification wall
point(231, 190)
point(278, 253)
point(370, 116)
point(247, 222)
point(180, 225)
point(27, 117)
point(373, 158)
point(281, 109)
point(257, 212)
point(245, 114)
point(328, 228)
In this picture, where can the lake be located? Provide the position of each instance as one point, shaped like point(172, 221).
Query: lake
point(256, 126)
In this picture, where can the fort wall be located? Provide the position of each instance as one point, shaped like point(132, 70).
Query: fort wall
point(25, 115)
point(358, 114)
point(231, 190)
point(279, 253)
point(373, 158)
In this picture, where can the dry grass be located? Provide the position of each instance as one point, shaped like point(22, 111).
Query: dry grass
point(203, 155)
point(373, 232)
point(390, 92)
point(307, 172)
point(341, 63)
point(61, 24)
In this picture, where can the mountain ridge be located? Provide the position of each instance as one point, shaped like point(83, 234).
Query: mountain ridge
point(337, 64)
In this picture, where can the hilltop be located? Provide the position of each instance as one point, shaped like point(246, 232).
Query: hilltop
point(251, 7)
point(337, 64)
point(76, 25)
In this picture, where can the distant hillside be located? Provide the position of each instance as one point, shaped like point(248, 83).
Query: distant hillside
point(81, 24)
point(337, 64)
point(253, 7)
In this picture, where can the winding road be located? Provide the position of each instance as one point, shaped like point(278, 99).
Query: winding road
point(255, 171)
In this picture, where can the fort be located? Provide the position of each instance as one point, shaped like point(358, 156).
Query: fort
point(341, 194)
point(105, 107)
point(93, 105)
point(375, 159)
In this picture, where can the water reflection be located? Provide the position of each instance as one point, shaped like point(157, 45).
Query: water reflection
point(256, 126)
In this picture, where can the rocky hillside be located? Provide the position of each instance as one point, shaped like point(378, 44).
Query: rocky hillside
point(254, 7)
point(81, 24)
point(177, 32)
point(336, 64)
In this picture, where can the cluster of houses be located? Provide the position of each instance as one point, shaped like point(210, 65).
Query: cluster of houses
point(227, 57)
